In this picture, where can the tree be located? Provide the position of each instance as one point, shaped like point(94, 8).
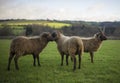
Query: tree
point(6, 30)
point(28, 30)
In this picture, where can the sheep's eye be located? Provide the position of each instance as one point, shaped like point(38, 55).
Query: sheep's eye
point(45, 35)
point(98, 35)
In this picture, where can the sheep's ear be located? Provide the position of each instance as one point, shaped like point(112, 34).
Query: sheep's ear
point(44, 34)
point(96, 35)
point(59, 31)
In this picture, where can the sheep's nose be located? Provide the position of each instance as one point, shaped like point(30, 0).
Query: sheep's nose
point(53, 34)
point(105, 38)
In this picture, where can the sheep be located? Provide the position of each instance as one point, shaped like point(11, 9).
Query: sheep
point(22, 46)
point(92, 44)
point(68, 46)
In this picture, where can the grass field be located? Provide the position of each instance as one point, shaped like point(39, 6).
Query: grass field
point(29, 22)
point(106, 68)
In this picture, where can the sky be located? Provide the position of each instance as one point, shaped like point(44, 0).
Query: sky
point(83, 10)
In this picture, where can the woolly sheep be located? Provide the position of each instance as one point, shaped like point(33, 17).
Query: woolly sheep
point(68, 46)
point(93, 44)
point(21, 46)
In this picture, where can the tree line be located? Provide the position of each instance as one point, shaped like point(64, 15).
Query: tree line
point(78, 28)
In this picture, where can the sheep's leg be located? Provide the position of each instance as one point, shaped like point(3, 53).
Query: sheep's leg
point(62, 58)
point(79, 59)
point(34, 57)
point(16, 62)
point(92, 55)
point(9, 60)
point(74, 59)
point(38, 60)
point(74, 64)
point(67, 59)
point(71, 59)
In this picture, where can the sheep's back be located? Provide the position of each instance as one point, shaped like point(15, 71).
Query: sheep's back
point(74, 44)
point(91, 45)
point(62, 44)
point(21, 45)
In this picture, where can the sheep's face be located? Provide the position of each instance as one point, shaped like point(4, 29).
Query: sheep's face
point(47, 36)
point(101, 36)
point(56, 35)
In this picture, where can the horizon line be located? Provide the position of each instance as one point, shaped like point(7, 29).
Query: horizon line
point(5, 19)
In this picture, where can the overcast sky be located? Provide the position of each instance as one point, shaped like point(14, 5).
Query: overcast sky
point(86, 10)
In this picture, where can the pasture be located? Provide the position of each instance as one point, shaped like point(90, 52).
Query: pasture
point(106, 67)
point(20, 23)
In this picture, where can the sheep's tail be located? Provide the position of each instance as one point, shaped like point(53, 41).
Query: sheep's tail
point(80, 47)
point(11, 55)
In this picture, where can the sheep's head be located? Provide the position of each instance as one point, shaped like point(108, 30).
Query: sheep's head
point(101, 35)
point(47, 36)
point(56, 35)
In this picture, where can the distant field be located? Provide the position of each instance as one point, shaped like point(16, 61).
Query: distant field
point(106, 68)
point(46, 23)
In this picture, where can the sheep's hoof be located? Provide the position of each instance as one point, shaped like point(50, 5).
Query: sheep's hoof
point(67, 64)
point(8, 69)
point(78, 67)
point(17, 68)
point(61, 64)
point(39, 65)
point(34, 65)
point(92, 62)
point(74, 70)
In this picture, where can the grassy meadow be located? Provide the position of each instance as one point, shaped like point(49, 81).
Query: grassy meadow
point(106, 67)
point(18, 24)
point(18, 27)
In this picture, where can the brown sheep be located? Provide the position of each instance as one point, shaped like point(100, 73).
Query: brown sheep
point(68, 46)
point(21, 46)
point(93, 44)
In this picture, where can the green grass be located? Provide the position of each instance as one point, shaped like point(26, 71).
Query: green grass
point(57, 24)
point(49, 23)
point(106, 67)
